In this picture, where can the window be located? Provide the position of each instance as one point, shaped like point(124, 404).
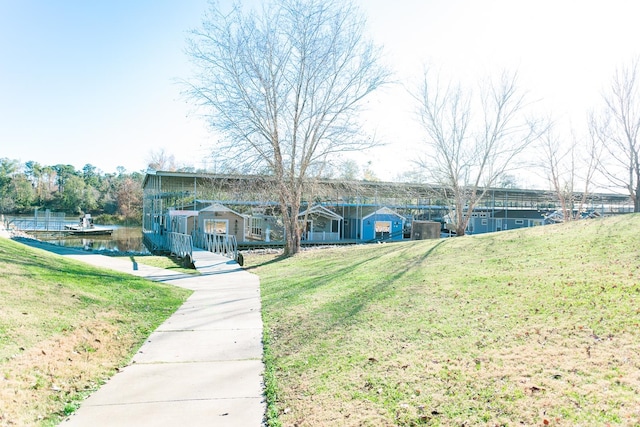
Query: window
point(216, 226)
point(382, 229)
point(256, 226)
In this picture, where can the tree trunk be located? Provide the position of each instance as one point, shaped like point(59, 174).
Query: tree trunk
point(290, 209)
point(292, 240)
point(461, 218)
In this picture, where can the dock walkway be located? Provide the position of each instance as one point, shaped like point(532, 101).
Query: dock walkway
point(201, 367)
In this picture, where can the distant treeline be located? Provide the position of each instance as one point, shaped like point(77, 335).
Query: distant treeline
point(62, 188)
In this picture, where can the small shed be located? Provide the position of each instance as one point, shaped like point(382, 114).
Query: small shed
point(320, 224)
point(219, 219)
point(382, 224)
point(422, 230)
point(181, 221)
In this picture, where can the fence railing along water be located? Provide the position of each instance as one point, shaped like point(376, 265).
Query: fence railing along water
point(40, 222)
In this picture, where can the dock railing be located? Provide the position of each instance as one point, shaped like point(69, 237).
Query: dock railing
point(221, 244)
point(40, 222)
point(155, 242)
point(181, 245)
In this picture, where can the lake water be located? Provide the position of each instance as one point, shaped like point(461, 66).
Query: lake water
point(123, 239)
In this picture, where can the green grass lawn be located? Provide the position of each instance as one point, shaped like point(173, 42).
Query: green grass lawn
point(527, 327)
point(65, 327)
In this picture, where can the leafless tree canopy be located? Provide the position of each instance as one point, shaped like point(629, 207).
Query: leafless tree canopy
point(570, 169)
point(284, 87)
point(161, 160)
point(618, 127)
point(470, 145)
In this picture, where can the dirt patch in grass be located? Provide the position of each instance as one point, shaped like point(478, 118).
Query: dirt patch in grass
point(34, 382)
point(337, 413)
point(580, 380)
point(559, 378)
point(22, 319)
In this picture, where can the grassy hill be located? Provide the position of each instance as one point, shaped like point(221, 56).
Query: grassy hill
point(528, 327)
point(65, 327)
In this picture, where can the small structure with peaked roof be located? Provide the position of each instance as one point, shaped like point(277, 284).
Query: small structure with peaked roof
point(320, 224)
point(221, 220)
point(382, 224)
point(182, 221)
point(371, 223)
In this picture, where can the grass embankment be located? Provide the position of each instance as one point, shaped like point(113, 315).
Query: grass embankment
point(65, 327)
point(527, 327)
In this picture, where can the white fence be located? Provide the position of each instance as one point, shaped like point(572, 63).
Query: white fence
point(181, 245)
point(321, 236)
point(217, 243)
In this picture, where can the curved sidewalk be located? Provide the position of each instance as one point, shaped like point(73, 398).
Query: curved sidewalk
point(201, 367)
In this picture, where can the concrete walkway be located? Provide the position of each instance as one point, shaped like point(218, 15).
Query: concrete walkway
point(201, 367)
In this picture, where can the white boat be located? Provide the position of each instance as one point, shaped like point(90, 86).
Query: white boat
point(86, 227)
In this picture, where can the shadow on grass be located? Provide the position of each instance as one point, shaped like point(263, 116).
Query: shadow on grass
point(271, 261)
point(419, 260)
point(27, 259)
point(343, 310)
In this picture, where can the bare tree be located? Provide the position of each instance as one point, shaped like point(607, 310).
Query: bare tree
point(618, 128)
point(348, 170)
point(284, 87)
point(161, 160)
point(129, 197)
point(569, 167)
point(466, 151)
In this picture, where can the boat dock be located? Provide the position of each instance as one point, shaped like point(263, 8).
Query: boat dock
point(56, 222)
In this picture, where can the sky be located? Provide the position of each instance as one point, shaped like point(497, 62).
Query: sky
point(95, 82)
